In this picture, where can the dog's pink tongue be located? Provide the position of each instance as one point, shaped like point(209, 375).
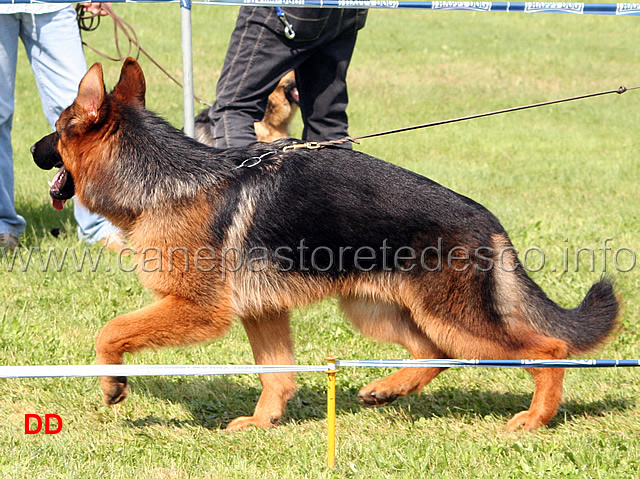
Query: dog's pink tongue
point(295, 95)
point(58, 182)
point(57, 204)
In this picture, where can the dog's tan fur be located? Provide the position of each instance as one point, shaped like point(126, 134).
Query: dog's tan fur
point(279, 113)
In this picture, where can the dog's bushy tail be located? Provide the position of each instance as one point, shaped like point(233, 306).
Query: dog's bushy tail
point(583, 328)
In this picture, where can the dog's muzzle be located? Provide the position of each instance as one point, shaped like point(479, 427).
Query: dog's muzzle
point(46, 156)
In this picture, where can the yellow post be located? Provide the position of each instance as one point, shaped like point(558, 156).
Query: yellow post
point(331, 412)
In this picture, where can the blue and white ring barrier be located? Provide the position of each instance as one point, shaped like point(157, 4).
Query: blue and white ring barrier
point(491, 363)
point(620, 9)
point(60, 371)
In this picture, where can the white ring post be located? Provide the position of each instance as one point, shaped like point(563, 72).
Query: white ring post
point(187, 68)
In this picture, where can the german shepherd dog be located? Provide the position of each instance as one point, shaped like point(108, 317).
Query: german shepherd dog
point(282, 105)
point(411, 261)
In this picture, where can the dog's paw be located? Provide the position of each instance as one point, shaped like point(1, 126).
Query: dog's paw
point(115, 389)
point(375, 395)
point(244, 422)
point(525, 419)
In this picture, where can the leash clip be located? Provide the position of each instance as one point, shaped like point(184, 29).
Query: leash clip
point(309, 145)
point(288, 28)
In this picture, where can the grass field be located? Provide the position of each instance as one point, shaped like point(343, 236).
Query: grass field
point(560, 179)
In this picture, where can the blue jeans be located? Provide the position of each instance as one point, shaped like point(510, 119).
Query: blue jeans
point(53, 46)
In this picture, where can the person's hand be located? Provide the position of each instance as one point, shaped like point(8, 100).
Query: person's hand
point(97, 8)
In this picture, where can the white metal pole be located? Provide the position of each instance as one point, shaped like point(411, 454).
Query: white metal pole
point(187, 68)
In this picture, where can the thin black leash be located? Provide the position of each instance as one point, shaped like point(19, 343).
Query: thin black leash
point(312, 145)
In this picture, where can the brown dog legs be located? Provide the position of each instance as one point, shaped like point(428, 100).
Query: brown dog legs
point(171, 321)
point(548, 385)
point(270, 340)
point(393, 323)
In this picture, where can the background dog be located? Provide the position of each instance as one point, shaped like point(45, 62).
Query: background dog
point(254, 232)
point(282, 105)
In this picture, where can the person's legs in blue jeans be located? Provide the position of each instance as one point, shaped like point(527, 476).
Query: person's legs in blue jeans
point(10, 222)
point(54, 48)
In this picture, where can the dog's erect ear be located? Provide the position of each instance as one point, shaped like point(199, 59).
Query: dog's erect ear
point(91, 93)
point(131, 87)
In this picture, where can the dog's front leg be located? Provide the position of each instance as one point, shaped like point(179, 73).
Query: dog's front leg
point(171, 321)
point(270, 339)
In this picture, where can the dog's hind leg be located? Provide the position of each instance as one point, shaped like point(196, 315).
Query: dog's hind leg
point(270, 339)
point(393, 323)
point(548, 384)
point(546, 397)
point(170, 321)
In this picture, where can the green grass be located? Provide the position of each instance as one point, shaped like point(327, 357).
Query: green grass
point(558, 177)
